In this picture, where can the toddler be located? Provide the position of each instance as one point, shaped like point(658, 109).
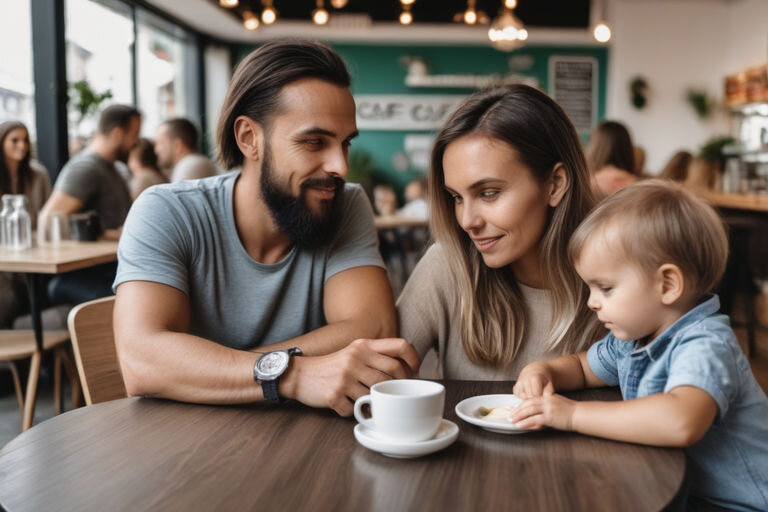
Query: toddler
point(650, 255)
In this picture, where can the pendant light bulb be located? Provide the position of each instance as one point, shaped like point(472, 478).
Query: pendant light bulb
point(269, 15)
point(320, 16)
point(406, 18)
point(250, 20)
point(470, 16)
point(339, 4)
point(228, 3)
point(602, 32)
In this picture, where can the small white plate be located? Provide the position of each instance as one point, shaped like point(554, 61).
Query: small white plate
point(467, 410)
point(445, 436)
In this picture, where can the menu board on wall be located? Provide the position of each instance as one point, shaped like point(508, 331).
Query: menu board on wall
point(573, 84)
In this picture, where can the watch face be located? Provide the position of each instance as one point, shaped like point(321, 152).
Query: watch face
point(272, 364)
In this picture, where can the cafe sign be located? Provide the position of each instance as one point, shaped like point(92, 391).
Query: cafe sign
point(404, 111)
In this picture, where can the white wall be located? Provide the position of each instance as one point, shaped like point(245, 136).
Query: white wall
point(677, 44)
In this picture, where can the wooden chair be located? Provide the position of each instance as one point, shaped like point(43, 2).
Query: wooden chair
point(90, 326)
point(20, 344)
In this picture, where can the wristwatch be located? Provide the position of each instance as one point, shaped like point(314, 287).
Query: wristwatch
point(268, 369)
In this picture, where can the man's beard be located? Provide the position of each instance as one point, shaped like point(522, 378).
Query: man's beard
point(293, 216)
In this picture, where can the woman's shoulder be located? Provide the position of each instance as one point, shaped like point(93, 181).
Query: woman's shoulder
point(432, 273)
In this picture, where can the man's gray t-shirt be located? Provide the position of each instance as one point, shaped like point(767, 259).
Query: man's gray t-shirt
point(95, 182)
point(183, 235)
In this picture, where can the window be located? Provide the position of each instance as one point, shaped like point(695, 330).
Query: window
point(165, 56)
point(17, 94)
point(97, 59)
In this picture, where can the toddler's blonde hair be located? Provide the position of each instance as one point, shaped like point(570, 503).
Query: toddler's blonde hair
point(660, 222)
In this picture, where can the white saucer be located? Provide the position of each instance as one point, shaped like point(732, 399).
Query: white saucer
point(446, 434)
point(467, 410)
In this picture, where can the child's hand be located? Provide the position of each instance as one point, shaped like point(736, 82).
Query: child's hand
point(554, 411)
point(534, 380)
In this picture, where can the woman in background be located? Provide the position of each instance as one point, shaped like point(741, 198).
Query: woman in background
point(19, 174)
point(611, 158)
point(142, 161)
point(677, 167)
point(508, 185)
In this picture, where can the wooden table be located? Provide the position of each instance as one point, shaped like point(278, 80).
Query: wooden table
point(47, 258)
point(744, 202)
point(394, 221)
point(148, 454)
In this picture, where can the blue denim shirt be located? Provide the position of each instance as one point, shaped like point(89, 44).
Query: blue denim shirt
point(729, 465)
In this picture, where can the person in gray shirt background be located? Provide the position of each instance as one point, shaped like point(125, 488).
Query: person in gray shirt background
point(278, 258)
point(177, 153)
point(90, 181)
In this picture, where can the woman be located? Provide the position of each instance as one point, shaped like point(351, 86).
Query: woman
point(677, 167)
point(142, 161)
point(611, 158)
point(508, 185)
point(19, 175)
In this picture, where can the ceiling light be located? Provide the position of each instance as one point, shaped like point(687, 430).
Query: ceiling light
point(406, 17)
point(407, 2)
point(320, 15)
point(228, 3)
point(602, 32)
point(470, 15)
point(269, 14)
point(510, 4)
point(507, 32)
point(250, 20)
point(339, 4)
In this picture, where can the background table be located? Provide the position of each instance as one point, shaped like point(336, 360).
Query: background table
point(64, 256)
point(148, 454)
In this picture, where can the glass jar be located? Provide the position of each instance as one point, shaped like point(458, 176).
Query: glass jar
point(19, 225)
point(4, 213)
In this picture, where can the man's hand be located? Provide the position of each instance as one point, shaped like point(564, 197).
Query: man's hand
point(554, 411)
point(536, 379)
point(336, 380)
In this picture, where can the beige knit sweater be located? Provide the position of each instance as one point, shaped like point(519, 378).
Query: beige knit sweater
point(429, 318)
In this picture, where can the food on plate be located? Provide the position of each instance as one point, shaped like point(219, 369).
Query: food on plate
point(502, 414)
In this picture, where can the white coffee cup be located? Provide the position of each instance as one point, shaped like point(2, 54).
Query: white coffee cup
point(403, 410)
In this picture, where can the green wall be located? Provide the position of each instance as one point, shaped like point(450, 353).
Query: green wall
point(376, 69)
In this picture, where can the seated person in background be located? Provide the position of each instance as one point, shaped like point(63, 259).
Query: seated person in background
point(677, 167)
point(650, 254)
point(384, 200)
point(177, 154)
point(639, 154)
point(19, 174)
point(416, 204)
point(221, 279)
point(142, 161)
point(610, 157)
point(89, 181)
point(702, 175)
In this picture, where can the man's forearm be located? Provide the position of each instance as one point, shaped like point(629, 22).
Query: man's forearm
point(335, 336)
point(187, 368)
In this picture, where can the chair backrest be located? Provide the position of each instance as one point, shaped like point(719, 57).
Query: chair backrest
point(90, 327)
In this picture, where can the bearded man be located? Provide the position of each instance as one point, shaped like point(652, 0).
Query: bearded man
point(279, 257)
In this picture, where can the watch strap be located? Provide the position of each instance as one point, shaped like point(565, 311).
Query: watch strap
point(269, 387)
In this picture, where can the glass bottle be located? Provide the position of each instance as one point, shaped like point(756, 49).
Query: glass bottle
point(4, 213)
point(19, 225)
